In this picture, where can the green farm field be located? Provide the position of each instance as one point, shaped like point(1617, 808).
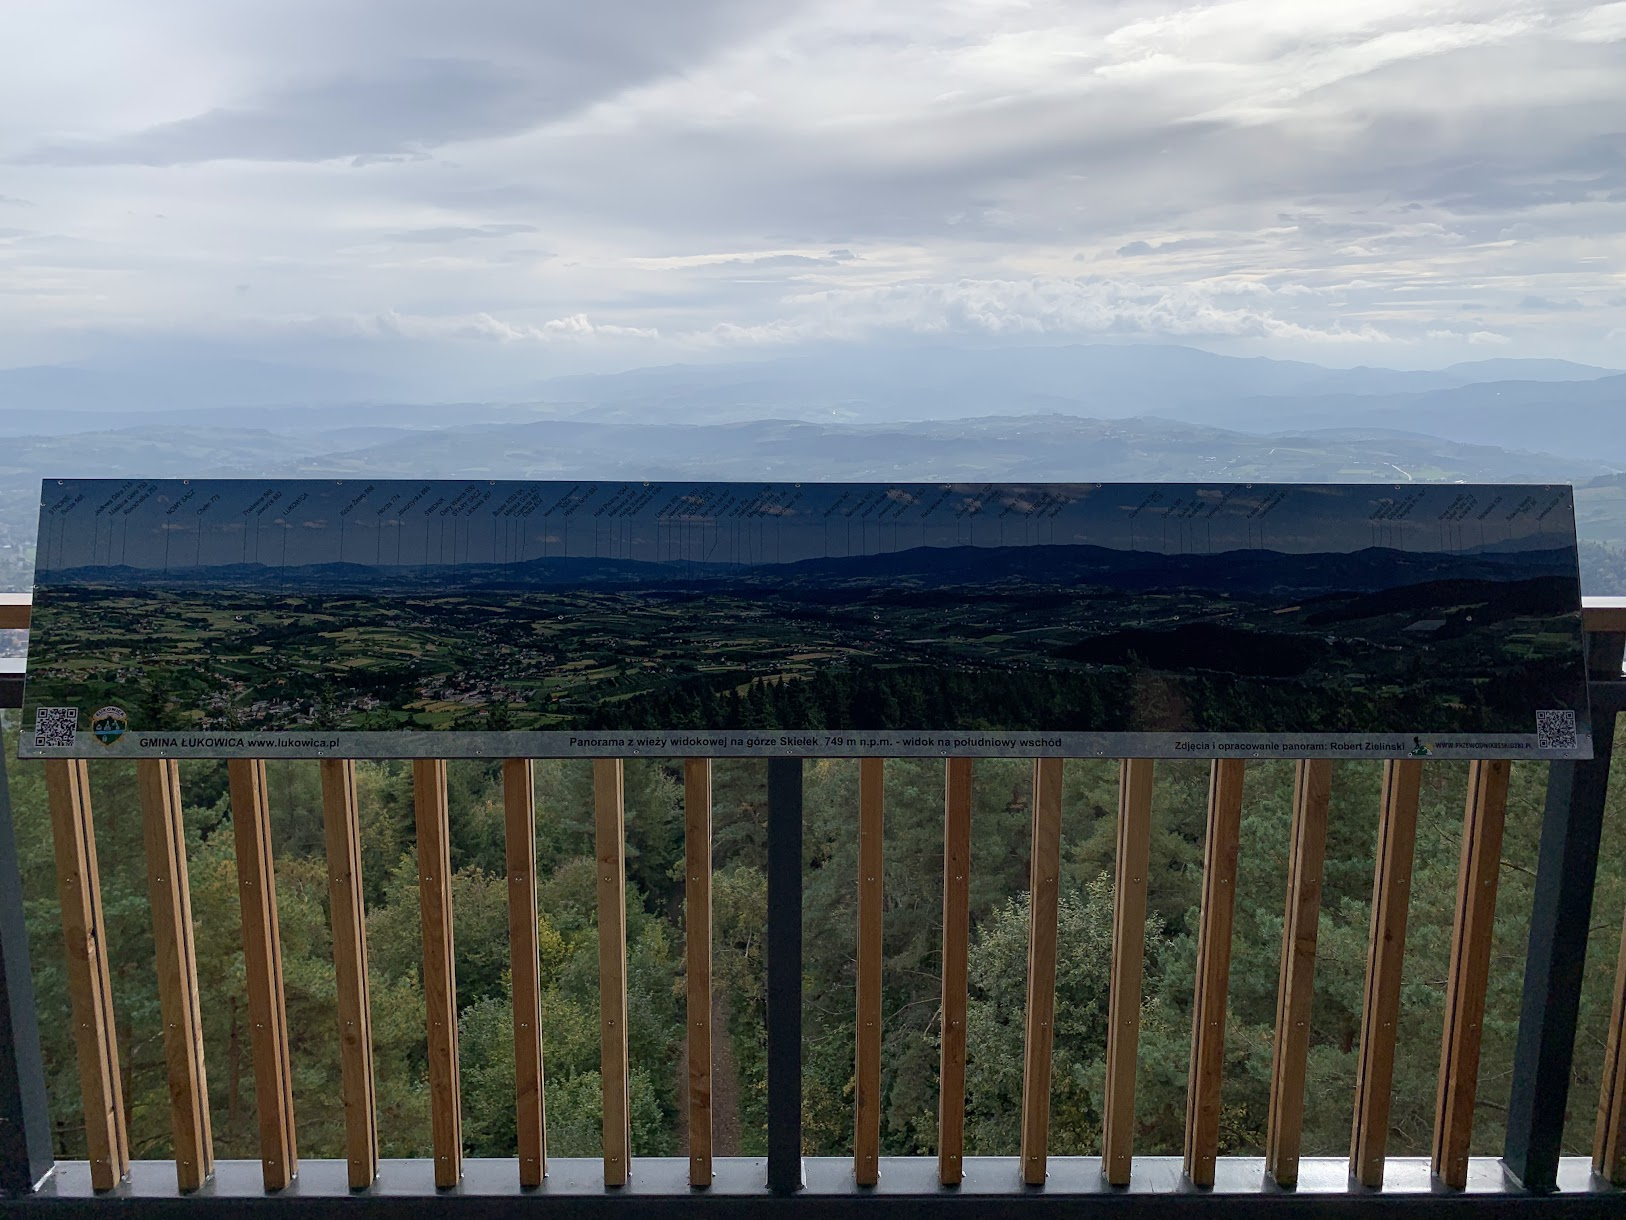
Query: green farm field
point(1457, 656)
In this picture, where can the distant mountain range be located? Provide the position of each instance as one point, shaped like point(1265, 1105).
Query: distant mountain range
point(1094, 412)
point(871, 383)
point(1550, 406)
point(1100, 381)
point(1237, 571)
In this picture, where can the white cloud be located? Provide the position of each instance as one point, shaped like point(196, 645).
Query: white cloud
point(638, 177)
point(1604, 23)
point(1476, 338)
point(1043, 308)
point(484, 327)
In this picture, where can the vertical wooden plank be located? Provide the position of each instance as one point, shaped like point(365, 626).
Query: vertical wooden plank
point(1135, 777)
point(697, 960)
point(1609, 1142)
point(175, 961)
point(956, 946)
point(786, 1172)
point(1307, 851)
point(1385, 954)
point(262, 967)
point(867, 1065)
point(67, 787)
point(1043, 888)
point(16, 611)
point(609, 824)
point(1213, 968)
point(341, 832)
point(439, 966)
point(1482, 823)
point(519, 820)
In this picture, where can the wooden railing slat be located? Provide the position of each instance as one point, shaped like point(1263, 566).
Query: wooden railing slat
point(1609, 1140)
point(262, 967)
point(519, 839)
point(871, 882)
point(341, 834)
point(1135, 779)
point(175, 963)
point(957, 774)
point(1482, 824)
point(16, 611)
point(1603, 615)
point(1044, 889)
point(610, 845)
point(1307, 850)
point(67, 786)
point(439, 967)
point(697, 960)
point(1385, 955)
point(1213, 968)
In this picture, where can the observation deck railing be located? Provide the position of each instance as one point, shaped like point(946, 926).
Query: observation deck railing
point(1530, 1172)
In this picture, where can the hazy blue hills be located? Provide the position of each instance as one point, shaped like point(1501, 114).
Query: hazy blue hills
point(1101, 412)
point(190, 381)
point(1050, 565)
point(334, 577)
point(1138, 375)
point(1581, 419)
point(1513, 369)
point(363, 577)
point(1109, 380)
point(855, 385)
point(1237, 571)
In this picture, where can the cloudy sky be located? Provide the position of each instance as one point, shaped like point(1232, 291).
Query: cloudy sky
point(527, 186)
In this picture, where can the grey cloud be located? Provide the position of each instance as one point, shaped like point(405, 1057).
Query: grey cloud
point(496, 70)
point(362, 160)
point(1574, 172)
point(449, 233)
point(1136, 248)
point(415, 105)
point(749, 178)
point(1496, 158)
point(1313, 225)
point(770, 261)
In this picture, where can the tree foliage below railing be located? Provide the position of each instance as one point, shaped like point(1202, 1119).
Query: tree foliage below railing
point(567, 934)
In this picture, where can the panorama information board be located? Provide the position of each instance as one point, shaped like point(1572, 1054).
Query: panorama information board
point(376, 619)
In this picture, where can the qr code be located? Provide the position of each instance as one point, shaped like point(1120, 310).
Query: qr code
point(1555, 730)
point(56, 726)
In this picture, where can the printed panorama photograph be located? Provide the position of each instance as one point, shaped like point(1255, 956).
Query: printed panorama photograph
point(499, 606)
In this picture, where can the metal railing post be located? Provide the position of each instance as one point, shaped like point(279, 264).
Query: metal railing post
point(1566, 872)
point(784, 975)
point(25, 1119)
